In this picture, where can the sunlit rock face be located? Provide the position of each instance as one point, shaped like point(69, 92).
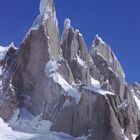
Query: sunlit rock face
point(100, 50)
point(35, 89)
point(80, 91)
point(76, 53)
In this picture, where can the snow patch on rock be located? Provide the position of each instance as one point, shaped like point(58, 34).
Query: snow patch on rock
point(123, 105)
point(95, 87)
point(122, 131)
point(51, 67)
point(134, 136)
point(100, 39)
point(137, 101)
point(95, 83)
point(47, 10)
point(81, 62)
point(67, 24)
point(69, 90)
point(52, 72)
point(45, 4)
point(136, 98)
point(3, 51)
point(98, 90)
point(77, 31)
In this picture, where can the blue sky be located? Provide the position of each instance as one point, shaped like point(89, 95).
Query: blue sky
point(116, 21)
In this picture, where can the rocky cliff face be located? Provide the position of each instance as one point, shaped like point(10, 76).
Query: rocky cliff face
point(80, 91)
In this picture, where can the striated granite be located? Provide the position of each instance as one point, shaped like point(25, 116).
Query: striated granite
point(81, 91)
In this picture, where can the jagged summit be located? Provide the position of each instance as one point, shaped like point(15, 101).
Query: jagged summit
point(46, 25)
point(67, 24)
point(136, 84)
point(4, 50)
point(46, 5)
point(101, 49)
point(47, 11)
point(98, 40)
point(67, 29)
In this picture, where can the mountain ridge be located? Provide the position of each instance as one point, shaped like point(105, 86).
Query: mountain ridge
point(78, 91)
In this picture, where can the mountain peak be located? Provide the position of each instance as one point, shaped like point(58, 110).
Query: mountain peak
point(98, 40)
point(136, 84)
point(67, 24)
point(45, 5)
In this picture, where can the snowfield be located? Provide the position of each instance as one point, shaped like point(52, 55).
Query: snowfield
point(6, 133)
point(27, 127)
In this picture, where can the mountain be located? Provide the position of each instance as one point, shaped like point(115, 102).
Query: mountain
point(56, 88)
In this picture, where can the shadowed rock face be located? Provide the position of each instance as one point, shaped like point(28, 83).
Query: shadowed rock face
point(81, 92)
point(31, 60)
point(8, 99)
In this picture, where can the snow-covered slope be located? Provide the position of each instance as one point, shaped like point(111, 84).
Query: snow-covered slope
point(7, 133)
point(27, 127)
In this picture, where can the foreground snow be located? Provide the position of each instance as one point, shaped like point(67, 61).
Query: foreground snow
point(27, 127)
point(24, 121)
point(6, 133)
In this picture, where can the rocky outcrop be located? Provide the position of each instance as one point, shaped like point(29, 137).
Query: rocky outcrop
point(8, 100)
point(93, 117)
point(76, 53)
point(81, 91)
point(112, 78)
point(102, 51)
point(35, 88)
